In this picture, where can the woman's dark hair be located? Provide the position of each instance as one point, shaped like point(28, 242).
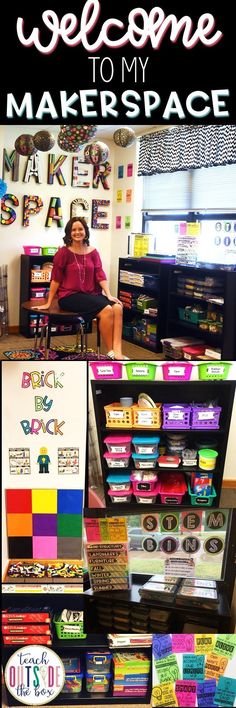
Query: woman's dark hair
point(67, 238)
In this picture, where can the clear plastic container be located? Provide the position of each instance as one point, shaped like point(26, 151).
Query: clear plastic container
point(73, 683)
point(169, 461)
point(98, 661)
point(172, 487)
point(118, 443)
point(119, 483)
point(117, 459)
point(120, 497)
point(145, 461)
point(146, 446)
point(147, 497)
point(143, 481)
point(97, 682)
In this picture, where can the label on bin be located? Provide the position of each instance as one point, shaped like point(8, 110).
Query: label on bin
point(215, 369)
point(117, 449)
point(140, 370)
point(145, 417)
point(206, 415)
point(116, 414)
point(105, 370)
point(176, 415)
point(176, 371)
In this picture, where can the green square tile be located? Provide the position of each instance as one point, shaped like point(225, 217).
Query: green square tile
point(69, 525)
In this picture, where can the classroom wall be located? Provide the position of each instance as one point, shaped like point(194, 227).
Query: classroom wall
point(15, 235)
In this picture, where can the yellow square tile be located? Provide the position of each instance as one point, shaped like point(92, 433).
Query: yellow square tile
point(44, 501)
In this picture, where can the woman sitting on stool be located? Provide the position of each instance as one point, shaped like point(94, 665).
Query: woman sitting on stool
point(81, 286)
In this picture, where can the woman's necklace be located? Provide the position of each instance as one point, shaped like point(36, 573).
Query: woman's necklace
point(81, 268)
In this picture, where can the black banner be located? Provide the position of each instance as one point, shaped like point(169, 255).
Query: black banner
point(95, 62)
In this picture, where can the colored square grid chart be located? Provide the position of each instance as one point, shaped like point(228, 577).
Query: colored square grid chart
point(70, 501)
point(20, 547)
point(44, 501)
point(69, 548)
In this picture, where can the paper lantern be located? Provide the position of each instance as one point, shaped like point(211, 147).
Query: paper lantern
point(72, 137)
point(124, 137)
point(24, 145)
point(43, 140)
point(96, 153)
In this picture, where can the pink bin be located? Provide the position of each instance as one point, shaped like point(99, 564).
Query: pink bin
point(177, 371)
point(147, 497)
point(143, 481)
point(171, 487)
point(32, 250)
point(106, 369)
point(118, 443)
point(120, 497)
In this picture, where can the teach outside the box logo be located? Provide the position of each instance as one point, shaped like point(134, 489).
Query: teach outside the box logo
point(34, 675)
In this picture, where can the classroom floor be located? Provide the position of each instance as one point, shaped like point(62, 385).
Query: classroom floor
point(17, 341)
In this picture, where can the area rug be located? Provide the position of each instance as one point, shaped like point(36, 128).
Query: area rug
point(64, 354)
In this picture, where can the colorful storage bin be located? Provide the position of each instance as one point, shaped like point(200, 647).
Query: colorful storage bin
point(49, 250)
point(143, 481)
point(147, 417)
point(119, 483)
point(64, 632)
point(145, 461)
point(207, 459)
point(147, 497)
point(196, 499)
point(118, 416)
point(106, 369)
point(40, 276)
point(73, 683)
point(120, 497)
point(117, 459)
point(118, 443)
point(97, 662)
point(169, 461)
point(172, 487)
point(206, 417)
point(176, 371)
point(37, 293)
point(97, 682)
point(139, 371)
point(32, 250)
point(146, 446)
point(214, 370)
point(176, 415)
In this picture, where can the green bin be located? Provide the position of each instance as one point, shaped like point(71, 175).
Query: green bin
point(49, 250)
point(141, 371)
point(214, 370)
point(198, 500)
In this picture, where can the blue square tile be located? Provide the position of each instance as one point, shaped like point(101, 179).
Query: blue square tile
point(70, 501)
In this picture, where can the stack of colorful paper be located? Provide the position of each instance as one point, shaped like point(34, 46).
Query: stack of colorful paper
point(131, 674)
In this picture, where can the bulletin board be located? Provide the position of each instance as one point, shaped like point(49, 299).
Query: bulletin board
point(194, 670)
point(185, 544)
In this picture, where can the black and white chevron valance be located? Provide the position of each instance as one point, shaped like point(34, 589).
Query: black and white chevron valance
point(187, 147)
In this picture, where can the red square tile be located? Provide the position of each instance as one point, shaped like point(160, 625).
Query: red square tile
point(18, 501)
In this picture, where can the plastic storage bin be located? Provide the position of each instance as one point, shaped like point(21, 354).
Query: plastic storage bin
point(214, 370)
point(143, 481)
point(176, 415)
point(49, 250)
point(32, 250)
point(37, 293)
point(73, 683)
point(146, 446)
point(97, 682)
point(177, 371)
point(120, 497)
point(205, 417)
point(98, 661)
point(144, 461)
point(172, 487)
point(147, 497)
point(119, 483)
point(117, 459)
point(118, 416)
point(40, 276)
point(118, 443)
point(106, 369)
point(139, 371)
point(64, 630)
point(169, 461)
point(147, 417)
point(196, 499)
